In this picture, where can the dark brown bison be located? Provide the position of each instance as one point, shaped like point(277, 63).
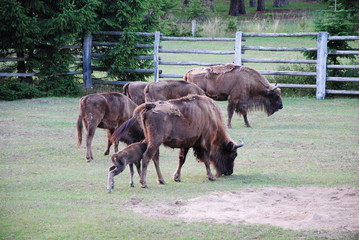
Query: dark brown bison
point(134, 90)
point(131, 155)
point(243, 87)
point(189, 122)
point(107, 111)
point(170, 89)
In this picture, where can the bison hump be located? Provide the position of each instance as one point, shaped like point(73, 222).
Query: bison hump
point(220, 69)
point(167, 107)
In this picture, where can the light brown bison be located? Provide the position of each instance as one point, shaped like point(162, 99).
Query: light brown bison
point(170, 89)
point(243, 87)
point(107, 111)
point(134, 90)
point(131, 155)
point(189, 122)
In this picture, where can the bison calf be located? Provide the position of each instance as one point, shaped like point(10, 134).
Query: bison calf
point(131, 155)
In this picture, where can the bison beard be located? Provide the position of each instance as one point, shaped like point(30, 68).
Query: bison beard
point(188, 122)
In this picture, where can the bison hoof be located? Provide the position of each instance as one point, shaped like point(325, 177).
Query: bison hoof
point(132, 185)
point(161, 181)
point(211, 178)
point(109, 189)
point(89, 160)
point(106, 152)
point(144, 186)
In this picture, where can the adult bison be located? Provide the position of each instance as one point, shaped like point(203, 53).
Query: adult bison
point(107, 111)
point(170, 89)
point(134, 90)
point(189, 122)
point(243, 87)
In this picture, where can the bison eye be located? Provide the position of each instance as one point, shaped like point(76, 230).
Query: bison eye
point(233, 156)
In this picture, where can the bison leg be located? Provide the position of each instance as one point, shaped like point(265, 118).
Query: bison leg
point(156, 161)
point(131, 175)
point(147, 156)
point(113, 171)
point(244, 113)
point(138, 166)
point(207, 163)
point(89, 137)
point(181, 160)
point(230, 110)
point(109, 142)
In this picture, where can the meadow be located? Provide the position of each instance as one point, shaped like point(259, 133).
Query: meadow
point(49, 191)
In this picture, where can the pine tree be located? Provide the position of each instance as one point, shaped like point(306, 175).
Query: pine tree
point(38, 30)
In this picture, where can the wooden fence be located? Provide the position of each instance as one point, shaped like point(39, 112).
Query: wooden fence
point(238, 49)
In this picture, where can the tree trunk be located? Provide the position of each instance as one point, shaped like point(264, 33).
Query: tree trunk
point(277, 3)
point(260, 5)
point(252, 3)
point(21, 67)
point(242, 8)
point(234, 8)
point(285, 2)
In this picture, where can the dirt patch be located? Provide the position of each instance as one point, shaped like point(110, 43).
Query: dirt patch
point(299, 208)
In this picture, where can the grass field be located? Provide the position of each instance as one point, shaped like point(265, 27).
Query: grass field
point(48, 191)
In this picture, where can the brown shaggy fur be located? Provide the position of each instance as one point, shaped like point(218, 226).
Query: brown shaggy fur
point(243, 87)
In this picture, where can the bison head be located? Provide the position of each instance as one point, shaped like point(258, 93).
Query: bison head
point(274, 100)
point(119, 160)
point(223, 160)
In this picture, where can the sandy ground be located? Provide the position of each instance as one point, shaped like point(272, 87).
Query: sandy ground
point(298, 208)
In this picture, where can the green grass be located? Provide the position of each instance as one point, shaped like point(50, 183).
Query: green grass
point(48, 191)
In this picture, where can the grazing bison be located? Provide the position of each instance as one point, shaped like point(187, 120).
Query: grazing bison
point(170, 89)
point(243, 87)
point(107, 111)
point(189, 122)
point(134, 90)
point(130, 155)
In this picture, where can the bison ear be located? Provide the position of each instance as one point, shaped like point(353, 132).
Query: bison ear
point(230, 146)
point(269, 92)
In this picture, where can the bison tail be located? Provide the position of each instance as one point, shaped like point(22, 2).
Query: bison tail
point(116, 136)
point(79, 129)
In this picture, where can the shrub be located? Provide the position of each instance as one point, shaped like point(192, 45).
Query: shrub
point(14, 89)
point(295, 80)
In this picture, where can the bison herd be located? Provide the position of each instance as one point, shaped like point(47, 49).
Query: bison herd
point(177, 114)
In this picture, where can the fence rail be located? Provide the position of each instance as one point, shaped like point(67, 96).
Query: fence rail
point(321, 72)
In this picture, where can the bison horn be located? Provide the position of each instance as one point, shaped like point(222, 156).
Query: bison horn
point(275, 87)
point(239, 145)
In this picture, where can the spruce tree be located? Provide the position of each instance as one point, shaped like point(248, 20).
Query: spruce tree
point(37, 30)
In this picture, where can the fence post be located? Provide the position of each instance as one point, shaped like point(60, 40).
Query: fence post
point(194, 27)
point(86, 61)
point(155, 55)
point(322, 54)
point(238, 49)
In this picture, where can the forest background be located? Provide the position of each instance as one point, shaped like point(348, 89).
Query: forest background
point(38, 30)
